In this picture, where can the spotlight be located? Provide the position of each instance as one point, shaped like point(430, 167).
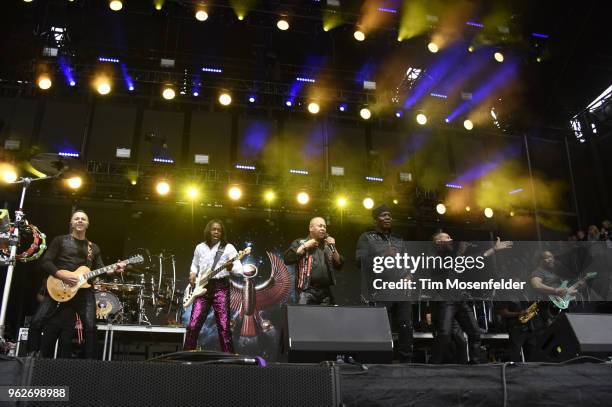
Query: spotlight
point(467, 123)
point(162, 187)
point(115, 5)
point(341, 202)
point(511, 213)
point(398, 114)
point(395, 202)
point(44, 82)
point(313, 107)
point(234, 193)
point(8, 173)
point(201, 14)
point(288, 103)
point(103, 85)
point(441, 208)
point(365, 113)
point(282, 24)
point(433, 47)
point(488, 212)
point(368, 203)
point(303, 198)
point(168, 93)
point(192, 192)
point(421, 119)
point(74, 182)
point(499, 57)
point(225, 99)
point(467, 209)
point(359, 35)
point(269, 196)
point(471, 48)
point(342, 107)
point(251, 99)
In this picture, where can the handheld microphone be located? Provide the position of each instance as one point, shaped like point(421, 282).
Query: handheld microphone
point(331, 246)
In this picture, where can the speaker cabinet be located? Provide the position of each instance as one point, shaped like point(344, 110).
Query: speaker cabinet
point(316, 333)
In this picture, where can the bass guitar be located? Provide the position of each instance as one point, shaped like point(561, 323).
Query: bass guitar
point(199, 288)
point(564, 302)
point(62, 292)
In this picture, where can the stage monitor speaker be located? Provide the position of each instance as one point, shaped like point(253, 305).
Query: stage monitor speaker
point(572, 335)
point(316, 333)
point(100, 383)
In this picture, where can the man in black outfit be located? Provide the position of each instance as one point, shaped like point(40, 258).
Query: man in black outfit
point(382, 242)
point(317, 260)
point(65, 254)
point(447, 311)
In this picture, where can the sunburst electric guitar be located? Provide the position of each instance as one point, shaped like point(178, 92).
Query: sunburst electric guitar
point(199, 288)
point(62, 292)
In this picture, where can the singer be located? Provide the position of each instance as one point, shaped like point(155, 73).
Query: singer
point(317, 259)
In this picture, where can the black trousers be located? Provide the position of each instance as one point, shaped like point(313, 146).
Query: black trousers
point(401, 311)
point(51, 314)
point(446, 312)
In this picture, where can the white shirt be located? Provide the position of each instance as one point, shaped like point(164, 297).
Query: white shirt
point(204, 256)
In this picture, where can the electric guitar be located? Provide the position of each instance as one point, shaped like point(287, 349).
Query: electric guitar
point(564, 302)
point(199, 288)
point(62, 292)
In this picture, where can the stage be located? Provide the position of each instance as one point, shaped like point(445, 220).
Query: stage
point(172, 383)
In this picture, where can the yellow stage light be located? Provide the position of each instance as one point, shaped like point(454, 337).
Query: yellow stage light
point(488, 212)
point(44, 82)
point(162, 187)
point(303, 198)
point(74, 182)
point(368, 203)
point(441, 208)
point(234, 193)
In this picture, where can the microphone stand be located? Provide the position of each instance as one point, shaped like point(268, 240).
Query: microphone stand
point(13, 244)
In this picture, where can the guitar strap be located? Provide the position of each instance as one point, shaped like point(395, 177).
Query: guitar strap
point(220, 251)
point(89, 254)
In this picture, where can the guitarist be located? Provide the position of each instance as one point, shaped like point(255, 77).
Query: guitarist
point(545, 282)
point(65, 254)
point(214, 250)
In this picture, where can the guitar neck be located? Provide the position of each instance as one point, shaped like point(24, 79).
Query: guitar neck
point(97, 272)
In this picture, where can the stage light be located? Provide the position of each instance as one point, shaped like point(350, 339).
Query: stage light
point(341, 202)
point(74, 182)
point(342, 107)
point(225, 99)
point(511, 213)
point(8, 173)
point(303, 198)
point(162, 187)
point(27, 1)
point(421, 119)
point(282, 24)
point(158, 4)
point(467, 123)
point(395, 202)
point(368, 203)
point(488, 212)
point(365, 113)
point(471, 48)
point(269, 196)
point(103, 85)
point(168, 93)
point(433, 47)
point(251, 99)
point(313, 107)
point(192, 192)
point(359, 35)
point(201, 14)
point(234, 193)
point(441, 208)
point(288, 103)
point(499, 57)
point(115, 5)
point(44, 82)
point(467, 209)
point(398, 114)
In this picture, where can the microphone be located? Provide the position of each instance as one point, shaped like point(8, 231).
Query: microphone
point(331, 246)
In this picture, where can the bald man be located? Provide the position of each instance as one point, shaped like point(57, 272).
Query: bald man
point(316, 260)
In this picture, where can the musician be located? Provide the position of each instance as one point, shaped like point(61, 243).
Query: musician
point(382, 242)
point(65, 254)
point(524, 324)
point(458, 310)
point(214, 250)
point(317, 259)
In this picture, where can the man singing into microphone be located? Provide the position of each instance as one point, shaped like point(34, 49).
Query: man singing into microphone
point(316, 259)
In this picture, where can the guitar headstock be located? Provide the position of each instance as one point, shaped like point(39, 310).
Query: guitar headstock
point(243, 253)
point(137, 259)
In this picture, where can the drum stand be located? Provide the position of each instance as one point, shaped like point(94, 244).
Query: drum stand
point(142, 315)
point(13, 244)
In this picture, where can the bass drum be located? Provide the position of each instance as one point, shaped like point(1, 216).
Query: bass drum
point(108, 305)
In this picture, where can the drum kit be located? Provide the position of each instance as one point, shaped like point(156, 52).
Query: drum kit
point(143, 297)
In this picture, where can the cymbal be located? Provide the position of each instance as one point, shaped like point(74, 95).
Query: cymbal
point(52, 164)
